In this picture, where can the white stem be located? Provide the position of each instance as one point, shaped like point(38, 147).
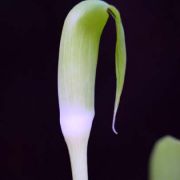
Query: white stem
point(78, 156)
point(76, 125)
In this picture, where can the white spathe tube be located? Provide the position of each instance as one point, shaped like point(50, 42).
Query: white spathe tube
point(76, 121)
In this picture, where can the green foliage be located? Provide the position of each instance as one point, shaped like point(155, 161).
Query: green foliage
point(165, 159)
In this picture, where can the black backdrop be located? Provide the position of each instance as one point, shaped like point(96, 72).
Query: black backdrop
point(31, 143)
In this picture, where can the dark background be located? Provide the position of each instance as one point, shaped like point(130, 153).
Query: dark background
point(31, 143)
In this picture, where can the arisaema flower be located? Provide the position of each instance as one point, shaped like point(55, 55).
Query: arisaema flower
point(78, 55)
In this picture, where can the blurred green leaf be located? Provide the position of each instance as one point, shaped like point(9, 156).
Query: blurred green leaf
point(165, 159)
